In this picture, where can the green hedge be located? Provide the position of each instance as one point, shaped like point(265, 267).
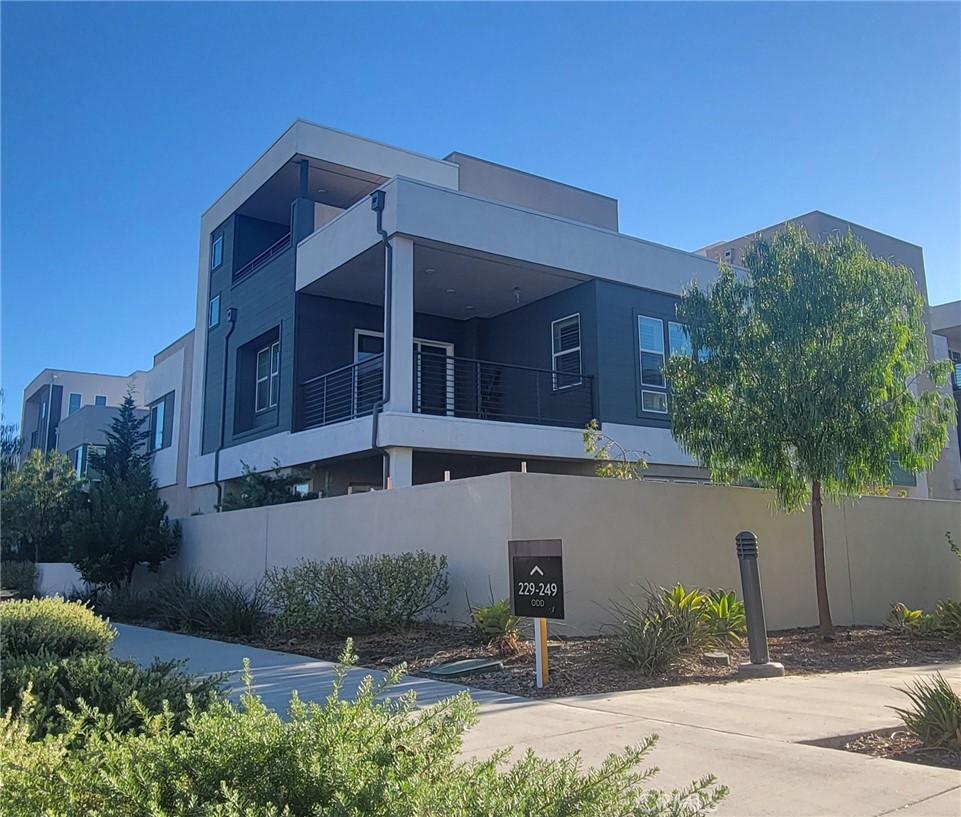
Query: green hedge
point(371, 593)
point(109, 684)
point(365, 757)
point(52, 627)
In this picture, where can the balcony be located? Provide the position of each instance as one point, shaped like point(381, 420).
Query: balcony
point(449, 386)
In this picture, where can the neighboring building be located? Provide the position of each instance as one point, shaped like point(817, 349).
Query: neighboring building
point(516, 313)
point(944, 480)
point(56, 395)
point(71, 411)
point(946, 326)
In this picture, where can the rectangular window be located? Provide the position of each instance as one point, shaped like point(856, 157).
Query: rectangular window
point(78, 462)
point(650, 333)
point(214, 315)
point(161, 423)
point(268, 377)
point(74, 405)
point(217, 252)
point(100, 400)
point(678, 339)
point(655, 401)
point(43, 410)
point(566, 348)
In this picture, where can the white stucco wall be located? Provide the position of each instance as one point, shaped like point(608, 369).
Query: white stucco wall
point(617, 537)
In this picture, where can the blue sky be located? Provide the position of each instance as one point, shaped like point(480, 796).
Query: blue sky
point(122, 122)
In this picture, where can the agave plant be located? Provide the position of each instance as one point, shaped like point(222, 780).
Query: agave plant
point(935, 715)
point(498, 626)
point(723, 612)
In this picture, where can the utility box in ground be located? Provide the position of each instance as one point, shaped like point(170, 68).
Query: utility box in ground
point(537, 578)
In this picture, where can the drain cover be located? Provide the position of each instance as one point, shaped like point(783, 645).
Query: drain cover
point(470, 666)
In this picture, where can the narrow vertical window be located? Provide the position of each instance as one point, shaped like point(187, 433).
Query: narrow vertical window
point(214, 315)
point(650, 335)
point(566, 351)
point(74, 405)
point(217, 252)
point(268, 377)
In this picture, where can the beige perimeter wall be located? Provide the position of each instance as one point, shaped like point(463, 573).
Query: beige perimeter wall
point(618, 536)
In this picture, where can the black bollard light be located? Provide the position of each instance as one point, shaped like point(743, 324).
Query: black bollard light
point(761, 664)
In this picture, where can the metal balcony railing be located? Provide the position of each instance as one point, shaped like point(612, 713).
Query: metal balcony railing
point(342, 394)
point(263, 258)
point(453, 387)
point(485, 390)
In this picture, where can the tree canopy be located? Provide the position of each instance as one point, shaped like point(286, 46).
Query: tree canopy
point(809, 375)
point(36, 500)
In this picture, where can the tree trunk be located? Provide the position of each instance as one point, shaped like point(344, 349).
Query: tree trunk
point(820, 576)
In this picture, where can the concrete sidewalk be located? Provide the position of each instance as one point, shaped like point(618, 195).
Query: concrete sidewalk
point(751, 734)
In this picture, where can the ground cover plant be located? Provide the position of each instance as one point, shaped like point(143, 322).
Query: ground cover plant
point(56, 666)
point(349, 757)
point(370, 593)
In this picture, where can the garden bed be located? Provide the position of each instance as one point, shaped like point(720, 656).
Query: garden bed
point(577, 668)
point(899, 744)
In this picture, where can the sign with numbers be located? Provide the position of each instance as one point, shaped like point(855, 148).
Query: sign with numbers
point(537, 578)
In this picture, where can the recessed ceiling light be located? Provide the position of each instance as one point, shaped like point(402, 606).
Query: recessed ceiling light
point(430, 270)
point(469, 307)
point(321, 190)
point(450, 291)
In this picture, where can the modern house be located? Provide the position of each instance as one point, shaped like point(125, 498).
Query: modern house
point(374, 317)
point(70, 412)
point(371, 314)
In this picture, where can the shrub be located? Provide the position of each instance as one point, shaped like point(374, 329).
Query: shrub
point(723, 613)
point(121, 603)
point(52, 628)
point(948, 616)
point(902, 619)
point(20, 577)
point(109, 684)
point(369, 594)
point(654, 635)
point(218, 606)
point(258, 489)
point(935, 715)
point(498, 626)
point(365, 756)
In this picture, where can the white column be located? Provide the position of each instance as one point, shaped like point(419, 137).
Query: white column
point(401, 466)
point(402, 328)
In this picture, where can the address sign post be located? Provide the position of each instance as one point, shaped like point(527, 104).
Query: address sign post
point(537, 590)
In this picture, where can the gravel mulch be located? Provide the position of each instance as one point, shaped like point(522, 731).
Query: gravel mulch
point(577, 667)
point(902, 745)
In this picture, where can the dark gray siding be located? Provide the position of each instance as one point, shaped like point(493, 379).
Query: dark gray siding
point(264, 301)
point(618, 306)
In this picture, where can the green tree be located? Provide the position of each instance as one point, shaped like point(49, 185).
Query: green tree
point(122, 522)
point(126, 448)
point(807, 376)
point(35, 502)
point(10, 443)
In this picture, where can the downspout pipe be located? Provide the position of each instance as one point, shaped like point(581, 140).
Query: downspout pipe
point(377, 201)
point(232, 320)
